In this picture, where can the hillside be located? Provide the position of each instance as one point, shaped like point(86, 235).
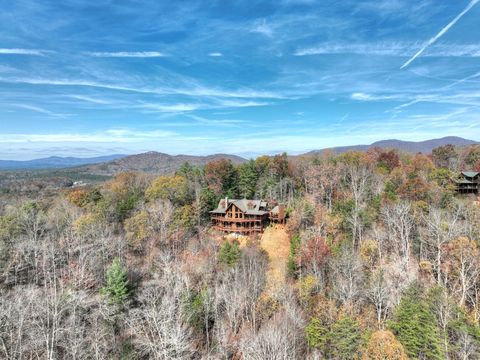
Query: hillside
point(408, 146)
point(153, 162)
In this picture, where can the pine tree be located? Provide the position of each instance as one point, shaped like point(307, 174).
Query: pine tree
point(229, 253)
point(345, 339)
point(117, 289)
point(291, 262)
point(247, 179)
point(316, 334)
point(415, 326)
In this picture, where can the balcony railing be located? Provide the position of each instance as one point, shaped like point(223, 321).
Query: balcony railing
point(238, 229)
point(240, 220)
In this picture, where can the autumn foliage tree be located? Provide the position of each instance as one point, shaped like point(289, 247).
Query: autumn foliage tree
point(384, 346)
point(221, 177)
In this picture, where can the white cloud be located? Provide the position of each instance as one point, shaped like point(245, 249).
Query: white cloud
point(39, 110)
point(190, 90)
point(391, 49)
point(173, 108)
point(127, 54)
point(108, 136)
point(215, 54)
point(262, 27)
point(360, 96)
point(89, 99)
point(34, 52)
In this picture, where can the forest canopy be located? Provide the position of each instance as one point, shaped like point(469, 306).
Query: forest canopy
point(382, 262)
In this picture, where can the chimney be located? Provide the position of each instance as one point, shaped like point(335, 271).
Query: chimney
point(226, 202)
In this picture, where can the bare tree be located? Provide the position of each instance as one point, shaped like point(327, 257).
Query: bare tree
point(347, 276)
point(357, 175)
point(281, 338)
point(158, 326)
point(379, 293)
point(400, 226)
point(441, 227)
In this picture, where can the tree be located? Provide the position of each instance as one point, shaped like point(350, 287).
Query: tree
point(157, 326)
point(357, 175)
point(473, 157)
point(400, 225)
point(462, 267)
point(292, 261)
point(173, 188)
point(117, 288)
point(138, 229)
point(384, 346)
point(388, 159)
point(247, 179)
point(347, 272)
point(221, 177)
point(207, 202)
point(345, 339)
point(441, 227)
point(444, 156)
point(316, 334)
point(379, 293)
point(415, 326)
point(229, 253)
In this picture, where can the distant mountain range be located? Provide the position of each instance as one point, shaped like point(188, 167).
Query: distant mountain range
point(54, 162)
point(160, 163)
point(425, 147)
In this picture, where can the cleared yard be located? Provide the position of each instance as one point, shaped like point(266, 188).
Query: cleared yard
point(276, 242)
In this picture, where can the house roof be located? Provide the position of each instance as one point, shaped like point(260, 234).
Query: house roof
point(470, 174)
point(249, 207)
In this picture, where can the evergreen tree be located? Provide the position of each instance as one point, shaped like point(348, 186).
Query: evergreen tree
point(291, 262)
point(229, 253)
point(117, 289)
point(415, 326)
point(208, 202)
point(345, 339)
point(316, 334)
point(247, 179)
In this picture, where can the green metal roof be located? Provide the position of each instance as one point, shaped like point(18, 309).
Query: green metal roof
point(470, 173)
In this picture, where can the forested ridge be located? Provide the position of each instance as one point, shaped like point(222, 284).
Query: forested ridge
point(383, 263)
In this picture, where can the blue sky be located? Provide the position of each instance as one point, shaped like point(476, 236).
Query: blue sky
point(87, 78)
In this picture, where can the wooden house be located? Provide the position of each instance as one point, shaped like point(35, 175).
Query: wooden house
point(245, 216)
point(469, 182)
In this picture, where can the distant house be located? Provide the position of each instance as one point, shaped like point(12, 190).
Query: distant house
point(469, 182)
point(245, 216)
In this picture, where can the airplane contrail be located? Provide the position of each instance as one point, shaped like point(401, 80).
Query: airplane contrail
point(441, 33)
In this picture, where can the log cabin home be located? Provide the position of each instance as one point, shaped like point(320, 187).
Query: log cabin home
point(468, 182)
point(246, 217)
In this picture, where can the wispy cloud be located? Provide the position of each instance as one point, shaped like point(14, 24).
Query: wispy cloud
point(108, 136)
point(441, 33)
point(391, 49)
point(127, 54)
point(215, 54)
point(466, 79)
point(189, 90)
point(360, 96)
point(262, 27)
point(171, 108)
point(89, 99)
point(216, 122)
point(34, 52)
point(39, 110)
